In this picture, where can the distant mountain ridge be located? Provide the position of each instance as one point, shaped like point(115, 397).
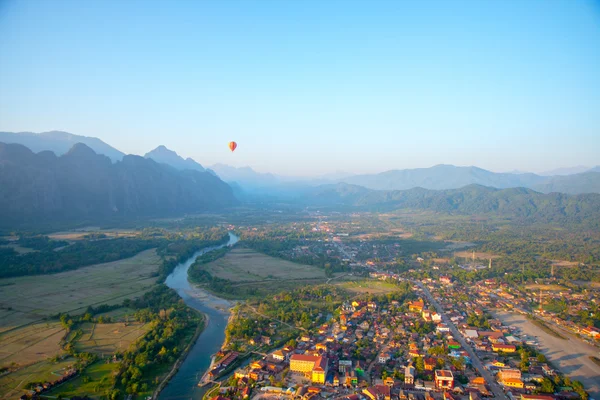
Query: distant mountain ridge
point(165, 156)
point(443, 177)
point(59, 143)
point(82, 184)
point(247, 180)
point(519, 203)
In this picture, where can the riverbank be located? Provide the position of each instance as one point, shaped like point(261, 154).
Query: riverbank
point(183, 383)
point(201, 325)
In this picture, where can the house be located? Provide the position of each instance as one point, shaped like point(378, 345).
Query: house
point(479, 380)
point(389, 381)
point(442, 328)
point(547, 370)
point(378, 392)
point(416, 306)
point(336, 380)
point(430, 363)
point(509, 374)
point(513, 382)
point(321, 346)
point(415, 353)
point(384, 357)
point(444, 379)
point(278, 355)
point(536, 397)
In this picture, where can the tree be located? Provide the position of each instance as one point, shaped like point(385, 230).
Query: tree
point(541, 358)
point(419, 364)
point(547, 386)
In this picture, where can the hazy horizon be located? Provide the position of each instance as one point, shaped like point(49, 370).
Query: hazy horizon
point(312, 88)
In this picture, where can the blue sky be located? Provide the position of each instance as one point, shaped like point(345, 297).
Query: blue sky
point(312, 87)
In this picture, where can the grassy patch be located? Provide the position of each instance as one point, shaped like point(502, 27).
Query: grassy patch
point(246, 265)
point(244, 273)
point(14, 384)
point(368, 287)
point(104, 339)
point(94, 381)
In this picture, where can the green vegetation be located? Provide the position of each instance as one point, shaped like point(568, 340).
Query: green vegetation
point(170, 325)
point(173, 249)
point(244, 273)
point(72, 257)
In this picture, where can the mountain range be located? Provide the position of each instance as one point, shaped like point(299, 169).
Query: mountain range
point(81, 184)
point(165, 156)
point(515, 203)
point(573, 180)
point(59, 143)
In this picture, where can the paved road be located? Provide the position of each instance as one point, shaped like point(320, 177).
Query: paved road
point(494, 386)
point(571, 357)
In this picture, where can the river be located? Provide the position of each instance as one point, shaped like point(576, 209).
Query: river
point(184, 384)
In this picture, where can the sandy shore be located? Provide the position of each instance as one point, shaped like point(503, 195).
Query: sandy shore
point(209, 299)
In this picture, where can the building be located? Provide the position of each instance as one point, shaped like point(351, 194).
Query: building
point(278, 355)
point(319, 372)
point(536, 397)
point(513, 382)
point(378, 392)
point(505, 348)
point(509, 374)
point(384, 357)
point(315, 367)
point(345, 365)
point(429, 363)
point(416, 306)
point(409, 375)
point(444, 379)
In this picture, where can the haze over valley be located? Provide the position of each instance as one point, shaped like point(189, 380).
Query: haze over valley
point(300, 200)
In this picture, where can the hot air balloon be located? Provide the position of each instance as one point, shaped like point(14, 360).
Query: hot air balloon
point(232, 146)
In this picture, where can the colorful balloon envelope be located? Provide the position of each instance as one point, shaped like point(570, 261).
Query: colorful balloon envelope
point(232, 146)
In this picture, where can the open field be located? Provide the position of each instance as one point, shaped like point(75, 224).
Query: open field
point(563, 263)
point(453, 245)
point(548, 288)
point(13, 385)
point(368, 287)
point(31, 344)
point(31, 298)
point(571, 357)
point(104, 339)
point(479, 255)
point(79, 234)
point(245, 265)
point(18, 249)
